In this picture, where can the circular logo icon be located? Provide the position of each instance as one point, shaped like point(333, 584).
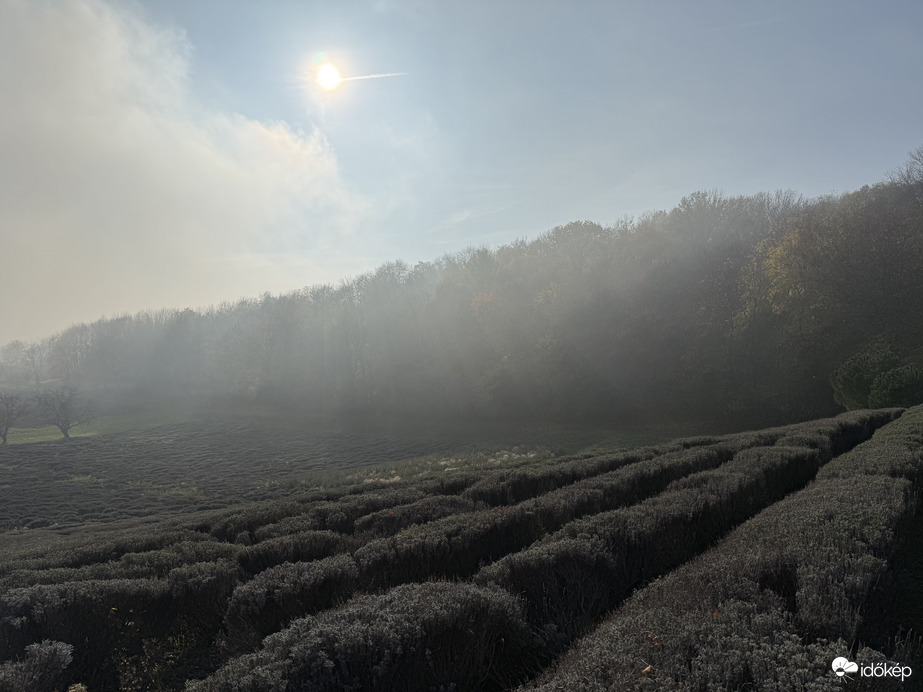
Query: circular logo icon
point(841, 666)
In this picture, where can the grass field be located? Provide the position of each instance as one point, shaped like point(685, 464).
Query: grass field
point(167, 460)
point(112, 422)
point(255, 555)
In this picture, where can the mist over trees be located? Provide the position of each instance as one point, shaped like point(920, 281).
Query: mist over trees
point(753, 308)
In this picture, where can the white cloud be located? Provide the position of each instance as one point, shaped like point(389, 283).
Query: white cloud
point(120, 191)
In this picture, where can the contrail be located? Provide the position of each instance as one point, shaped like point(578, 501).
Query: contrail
point(374, 76)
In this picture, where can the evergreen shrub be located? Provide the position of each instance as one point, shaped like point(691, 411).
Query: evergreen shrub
point(778, 599)
point(430, 636)
point(387, 522)
point(299, 547)
point(283, 593)
point(41, 669)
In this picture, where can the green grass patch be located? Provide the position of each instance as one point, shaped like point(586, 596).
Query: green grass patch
point(47, 433)
point(106, 424)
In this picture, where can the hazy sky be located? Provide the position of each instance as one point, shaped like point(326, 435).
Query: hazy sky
point(166, 153)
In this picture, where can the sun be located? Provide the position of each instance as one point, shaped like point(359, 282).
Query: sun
point(328, 77)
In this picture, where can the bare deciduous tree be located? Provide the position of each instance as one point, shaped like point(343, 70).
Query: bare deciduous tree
point(910, 174)
point(64, 408)
point(13, 406)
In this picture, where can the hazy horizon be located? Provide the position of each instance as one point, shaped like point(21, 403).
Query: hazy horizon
point(167, 154)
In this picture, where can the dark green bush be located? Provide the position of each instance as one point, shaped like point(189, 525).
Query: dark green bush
point(340, 515)
point(103, 620)
point(198, 597)
point(625, 485)
point(153, 564)
point(842, 433)
point(894, 450)
point(234, 524)
point(747, 643)
point(452, 547)
point(901, 386)
point(700, 441)
point(451, 483)
point(431, 636)
point(852, 381)
point(283, 593)
point(263, 520)
point(387, 522)
point(629, 545)
point(515, 485)
point(299, 547)
point(566, 584)
point(458, 545)
point(776, 601)
point(98, 545)
point(43, 666)
point(769, 608)
point(112, 623)
point(286, 526)
point(203, 589)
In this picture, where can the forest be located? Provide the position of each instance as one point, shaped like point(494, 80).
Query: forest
point(755, 309)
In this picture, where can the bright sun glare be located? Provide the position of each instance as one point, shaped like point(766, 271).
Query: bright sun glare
point(328, 77)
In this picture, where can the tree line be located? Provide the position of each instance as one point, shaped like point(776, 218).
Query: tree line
point(763, 307)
